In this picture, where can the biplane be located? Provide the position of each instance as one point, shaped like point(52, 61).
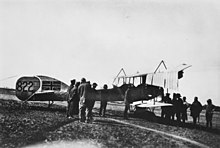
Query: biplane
point(41, 88)
point(151, 86)
point(44, 88)
point(156, 83)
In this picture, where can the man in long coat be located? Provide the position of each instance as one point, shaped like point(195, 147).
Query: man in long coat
point(69, 99)
point(75, 99)
point(84, 94)
point(91, 102)
point(127, 101)
point(103, 103)
point(196, 109)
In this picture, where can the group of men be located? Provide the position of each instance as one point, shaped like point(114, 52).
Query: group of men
point(82, 96)
point(179, 109)
point(81, 99)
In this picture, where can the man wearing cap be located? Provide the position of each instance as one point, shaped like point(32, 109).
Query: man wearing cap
point(69, 99)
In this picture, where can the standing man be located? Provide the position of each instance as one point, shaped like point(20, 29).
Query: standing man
point(174, 107)
point(83, 90)
point(75, 98)
point(69, 99)
point(91, 102)
point(163, 109)
point(209, 113)
point(103, 103)
point(196, 109)
point(166, 110)
point(179, 105)
point(127, 101)
point(184, 110)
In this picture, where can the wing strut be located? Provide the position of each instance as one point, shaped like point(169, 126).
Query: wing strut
point(162, 62)
point(122, 70)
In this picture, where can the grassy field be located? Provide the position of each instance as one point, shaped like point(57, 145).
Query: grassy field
point(34, 123)
point(120, 106)
point(216, 116)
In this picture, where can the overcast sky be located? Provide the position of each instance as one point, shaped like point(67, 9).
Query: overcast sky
point(94, 39)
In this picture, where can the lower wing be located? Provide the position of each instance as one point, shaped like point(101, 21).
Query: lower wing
point(48, 96)
point(149, 104)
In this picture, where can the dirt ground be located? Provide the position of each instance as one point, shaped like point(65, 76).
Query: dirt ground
point(34, 125)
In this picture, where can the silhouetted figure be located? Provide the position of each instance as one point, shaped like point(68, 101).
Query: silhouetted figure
point(179, 104)
point(209, 113)
point(196, 109)
point(174, 107)
point(127, 101)
point(184, 110)
point(163, 108)
point(69, 108)
point(92, 101)
point(104, 102)
point(75, 98)
point(166, 110)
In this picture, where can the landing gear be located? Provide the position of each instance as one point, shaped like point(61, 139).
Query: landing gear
point(145, 113)
point(24, 104)
point(50, 103)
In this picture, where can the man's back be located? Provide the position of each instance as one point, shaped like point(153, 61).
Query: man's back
point(196, 108)
point(83, 90)
point(74, 93)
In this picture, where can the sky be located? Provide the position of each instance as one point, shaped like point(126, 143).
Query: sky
point(69, 39)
